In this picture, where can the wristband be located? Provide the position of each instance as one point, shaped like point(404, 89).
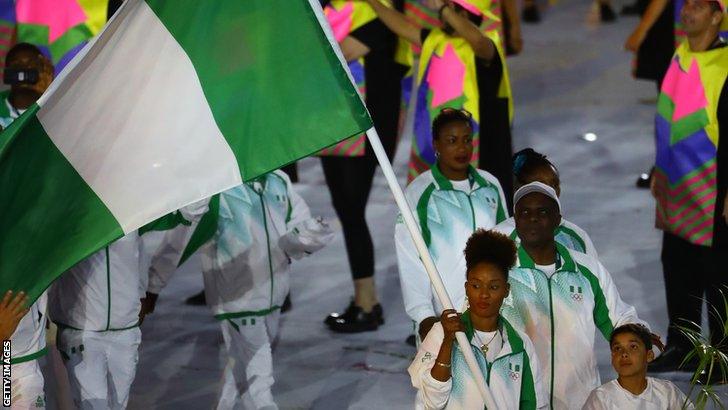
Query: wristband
point(442, 364)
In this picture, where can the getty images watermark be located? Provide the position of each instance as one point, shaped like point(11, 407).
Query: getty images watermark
point(6, 373)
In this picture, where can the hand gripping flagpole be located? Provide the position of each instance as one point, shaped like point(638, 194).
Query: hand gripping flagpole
point(440, 290)
point(409, 219)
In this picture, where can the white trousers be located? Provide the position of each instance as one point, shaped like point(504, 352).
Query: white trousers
point(101, 365)
point(26, 386)
point(248, 374)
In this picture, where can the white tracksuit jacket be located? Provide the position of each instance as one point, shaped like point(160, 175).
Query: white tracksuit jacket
point(103, 292)
point(568, 234)
point(513, 377)
point(245, 265)
point(447, 217)
point(561, 314)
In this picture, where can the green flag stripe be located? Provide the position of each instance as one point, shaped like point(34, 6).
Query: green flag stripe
point(41, 236)
point(264, 93)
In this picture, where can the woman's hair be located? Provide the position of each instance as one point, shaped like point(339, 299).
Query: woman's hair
point(447, 116)
point(490, 247)
point(527, 162)
point(636, 329)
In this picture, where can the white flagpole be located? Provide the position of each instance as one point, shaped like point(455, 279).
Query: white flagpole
point(440, 290)
point(409, 219)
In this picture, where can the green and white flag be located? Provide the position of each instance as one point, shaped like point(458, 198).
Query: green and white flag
point(175, 101)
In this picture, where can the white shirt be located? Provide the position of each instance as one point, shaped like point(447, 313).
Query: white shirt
point(659, 395)
point(547, 269)
point(465, 185)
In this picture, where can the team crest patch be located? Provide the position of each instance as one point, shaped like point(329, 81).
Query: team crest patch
point(514, 371)
point(577, 293)
point(427, 357)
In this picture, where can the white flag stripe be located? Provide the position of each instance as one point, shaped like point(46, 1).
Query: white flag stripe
point(110, 121)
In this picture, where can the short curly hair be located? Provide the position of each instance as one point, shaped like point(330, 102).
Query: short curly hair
point(488, 246)
point(447, 116)
point(636, 329)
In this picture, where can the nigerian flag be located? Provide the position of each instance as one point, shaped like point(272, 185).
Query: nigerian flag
point(174, 102)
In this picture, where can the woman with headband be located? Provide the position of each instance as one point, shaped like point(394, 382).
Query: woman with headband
point(531, 166)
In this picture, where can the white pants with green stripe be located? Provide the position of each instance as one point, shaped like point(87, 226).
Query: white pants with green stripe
point(248, 374)
point(101, 365)
point(26, 386)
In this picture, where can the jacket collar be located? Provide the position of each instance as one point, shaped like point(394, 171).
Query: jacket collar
point(567, 262)
point(512, 342)
point(445, 184)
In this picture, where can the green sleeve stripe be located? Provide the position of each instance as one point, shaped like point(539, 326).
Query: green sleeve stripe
point(601, 311)
point(528, 387)
point(501, 213)
point(27, 358)
point(574, 236)
point(422, 213)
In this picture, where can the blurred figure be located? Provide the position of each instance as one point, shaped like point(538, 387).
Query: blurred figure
point(690, 181)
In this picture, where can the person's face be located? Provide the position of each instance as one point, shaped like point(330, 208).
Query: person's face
point(455, 145)
point(629, 355)
point(697, 16)
point(536, 217)
point(547, 176)
point(486, 287)
point(30, 60)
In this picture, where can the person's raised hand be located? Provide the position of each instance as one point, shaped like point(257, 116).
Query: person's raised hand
point(12, 310)
point(450, 320)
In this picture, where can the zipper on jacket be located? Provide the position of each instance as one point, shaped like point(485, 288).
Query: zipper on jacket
point(489, 366)
point(108, 290)
point(267, 242)
point(472, 209)
point(553, 330)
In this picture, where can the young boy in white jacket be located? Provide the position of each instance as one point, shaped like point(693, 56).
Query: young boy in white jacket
point(98, 309)
point(257, 228)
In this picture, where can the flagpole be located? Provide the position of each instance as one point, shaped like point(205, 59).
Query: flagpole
point(424, 253)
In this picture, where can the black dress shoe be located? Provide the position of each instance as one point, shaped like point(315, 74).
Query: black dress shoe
point(670, 361)
point(357, 321)
point(351, 311)
point(606, 13)
point(530, 14)
point(286, 306)
point(196, 300)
